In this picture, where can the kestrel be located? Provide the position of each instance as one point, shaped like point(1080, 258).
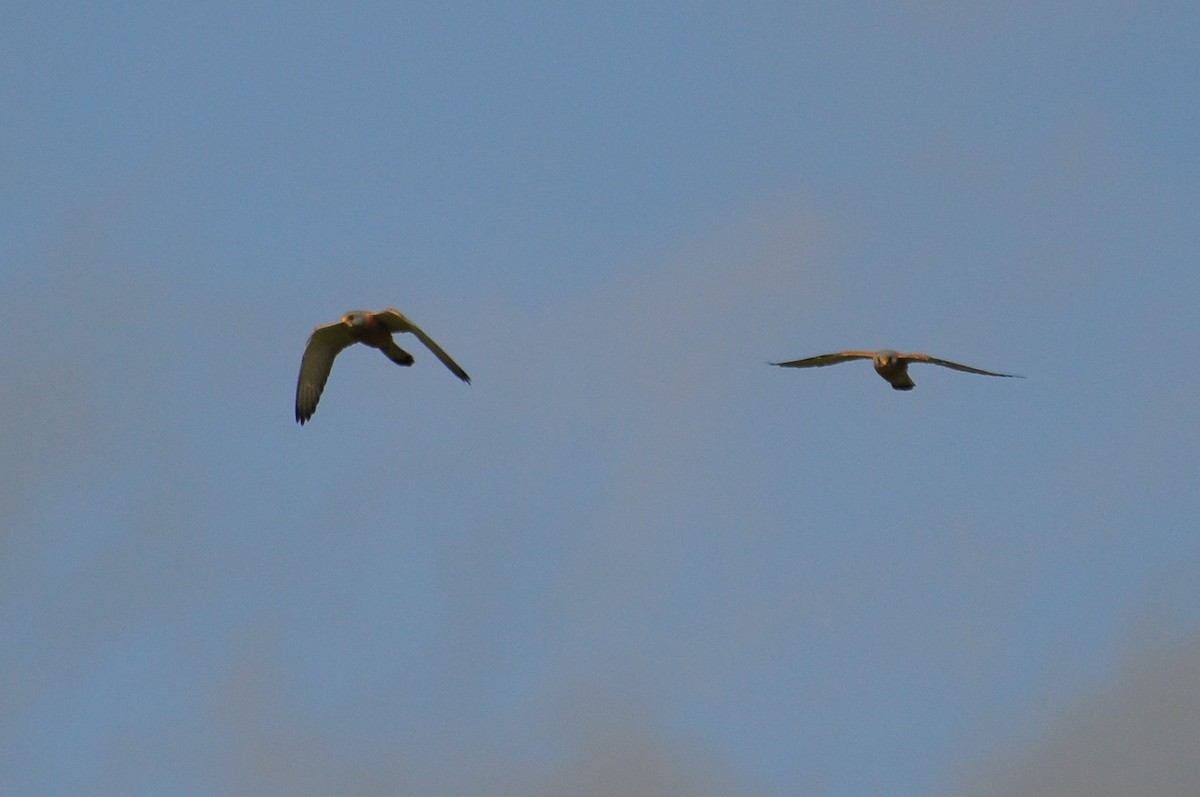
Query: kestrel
point(891, 365)
point(358, 326)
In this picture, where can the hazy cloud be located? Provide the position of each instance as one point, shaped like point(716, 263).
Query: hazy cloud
point(1136, 733)
point(592, 740)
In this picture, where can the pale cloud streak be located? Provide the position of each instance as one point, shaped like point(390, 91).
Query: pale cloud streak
point(1135, 732)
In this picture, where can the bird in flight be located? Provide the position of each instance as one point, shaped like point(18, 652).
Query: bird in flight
point(358, 326)
point(891, 365)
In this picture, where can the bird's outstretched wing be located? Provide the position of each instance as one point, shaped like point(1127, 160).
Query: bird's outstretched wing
point(827, 359)
point(323, 345)
point(396, 321)
point(925, 358)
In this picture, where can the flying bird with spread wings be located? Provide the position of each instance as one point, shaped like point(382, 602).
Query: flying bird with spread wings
point(891, 365)
point(358, 326)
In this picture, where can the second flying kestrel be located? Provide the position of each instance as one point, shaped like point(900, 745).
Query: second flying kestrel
point(358, 326)
point(891, 365)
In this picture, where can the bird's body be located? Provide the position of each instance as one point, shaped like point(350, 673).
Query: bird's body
point(891, 365)
point(358, 326)
point(895, 370)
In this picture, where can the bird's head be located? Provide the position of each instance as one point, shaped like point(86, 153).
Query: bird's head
point(885, 358)
point(355, 319)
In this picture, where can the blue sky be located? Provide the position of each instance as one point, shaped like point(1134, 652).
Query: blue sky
point(630, 557)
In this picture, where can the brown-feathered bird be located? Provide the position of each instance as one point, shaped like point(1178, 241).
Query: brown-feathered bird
point(891, 365)
point(358, 326)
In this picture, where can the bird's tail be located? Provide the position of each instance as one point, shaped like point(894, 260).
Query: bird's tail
point(397, 355)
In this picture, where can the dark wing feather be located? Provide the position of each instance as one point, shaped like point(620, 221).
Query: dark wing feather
point(323, 345)
point(925, 358)
point(827, 359)
point(396, 321)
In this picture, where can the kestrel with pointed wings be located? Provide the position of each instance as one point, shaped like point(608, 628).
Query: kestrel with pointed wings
point(891, 365)
point(358, 326)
